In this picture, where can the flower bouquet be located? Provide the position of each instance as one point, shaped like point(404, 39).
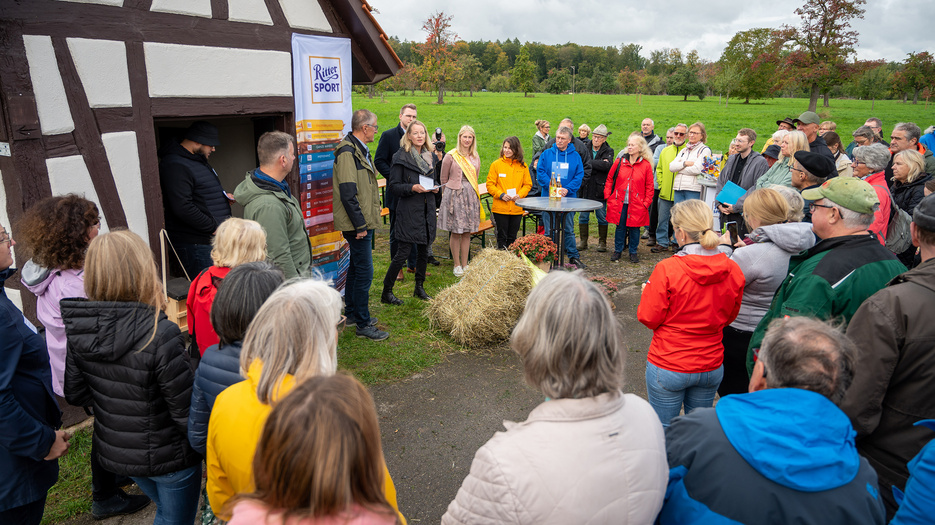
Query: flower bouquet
point(537, 248)
point(606, 285)
point(710, 169)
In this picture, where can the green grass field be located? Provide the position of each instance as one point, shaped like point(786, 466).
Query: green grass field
point(495, 116)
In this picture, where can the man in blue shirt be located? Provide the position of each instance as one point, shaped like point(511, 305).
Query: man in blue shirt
point(566, 163)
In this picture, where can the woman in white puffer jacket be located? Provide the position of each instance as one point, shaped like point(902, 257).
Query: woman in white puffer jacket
point(688, 164)
point(589, 453)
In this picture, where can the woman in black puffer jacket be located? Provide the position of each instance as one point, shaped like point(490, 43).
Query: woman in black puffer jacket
point(127, 360)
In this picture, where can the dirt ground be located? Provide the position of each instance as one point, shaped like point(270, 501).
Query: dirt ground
point(433, 422)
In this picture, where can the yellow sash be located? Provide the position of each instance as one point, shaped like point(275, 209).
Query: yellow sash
point(471, 174)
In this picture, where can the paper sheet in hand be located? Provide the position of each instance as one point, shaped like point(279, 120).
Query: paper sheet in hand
point(730, 193)
point(427, 182)
point(511, 192)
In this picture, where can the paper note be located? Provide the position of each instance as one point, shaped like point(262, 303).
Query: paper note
point(427, 182)
point(511, 192)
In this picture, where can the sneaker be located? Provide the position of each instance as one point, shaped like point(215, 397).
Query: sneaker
point(372, 332)
point(651, 242)
point(634, 258)
point(433, 261)
point(458, 271)
point(352, 324)
point(645, 235)
point(119, 504)
point(577, 262)
point(615, 257)
point(659, 248)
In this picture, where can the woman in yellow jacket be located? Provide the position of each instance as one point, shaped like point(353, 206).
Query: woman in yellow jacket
point(292, 338)
point(507, 181)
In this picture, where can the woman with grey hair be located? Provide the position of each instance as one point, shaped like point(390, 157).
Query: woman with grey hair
point(865, 136)
point(589, 451)
point(869, 163)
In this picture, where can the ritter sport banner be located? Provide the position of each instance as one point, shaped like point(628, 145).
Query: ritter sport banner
point(321, 68)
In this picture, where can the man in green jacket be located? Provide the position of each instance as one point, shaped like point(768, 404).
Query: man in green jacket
point(665, 178)
point(267, 199)
point(830, 280)
point(356, 215)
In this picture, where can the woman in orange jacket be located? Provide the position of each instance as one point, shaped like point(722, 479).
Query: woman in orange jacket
point(629, 193)
point(687, 301)
point(508, 181)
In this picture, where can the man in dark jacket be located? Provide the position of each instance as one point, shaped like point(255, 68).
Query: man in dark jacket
point(848, 265)
point(808, 123)
point(30, 443)
point(893, 387)
point(195, 203)
point(784, 453)
point(654, 141)
point(356, 215)
point(743, 168)
point(601, 159)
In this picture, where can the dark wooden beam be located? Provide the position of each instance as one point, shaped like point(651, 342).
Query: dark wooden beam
point(220, 10)
point(88, 137)
point(110, 120)
point(142, 5)
point(276, 14)
point(209, 107)
point(60, 145)
point(145, 142)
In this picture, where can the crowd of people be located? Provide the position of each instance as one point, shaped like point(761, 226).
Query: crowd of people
point(803, 319)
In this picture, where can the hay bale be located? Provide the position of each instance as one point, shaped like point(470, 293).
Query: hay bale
point(485, 305)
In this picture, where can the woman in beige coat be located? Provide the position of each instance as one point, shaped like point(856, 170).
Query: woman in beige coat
point(589, 453)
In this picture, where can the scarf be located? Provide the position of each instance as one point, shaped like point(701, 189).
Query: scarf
point(471, 174)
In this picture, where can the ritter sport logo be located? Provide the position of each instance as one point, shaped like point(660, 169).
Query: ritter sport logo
point(326, 80)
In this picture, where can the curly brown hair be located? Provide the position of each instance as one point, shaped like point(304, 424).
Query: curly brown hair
point(55, 230)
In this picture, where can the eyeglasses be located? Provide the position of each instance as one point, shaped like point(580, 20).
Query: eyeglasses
point(856, 162)
point(797, 169)
point(694, 133)
point(812, 206)
point(374, 126)
point(678, 134)
point(6, 239)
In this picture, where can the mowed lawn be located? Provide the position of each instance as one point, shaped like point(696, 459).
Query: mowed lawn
point(495, 116)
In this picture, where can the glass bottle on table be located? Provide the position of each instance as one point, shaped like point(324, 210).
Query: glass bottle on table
point(554, 185)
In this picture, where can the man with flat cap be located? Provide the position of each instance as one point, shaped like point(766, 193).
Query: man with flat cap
point(892, 388)
point(808, 123)
point(810, 170)
point(195, 204)
point(848, 265)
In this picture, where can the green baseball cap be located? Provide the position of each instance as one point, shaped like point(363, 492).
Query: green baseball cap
point(848, 192)
point(809, 117)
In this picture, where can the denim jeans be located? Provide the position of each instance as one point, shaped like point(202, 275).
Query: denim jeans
point(625, 235)
point(569, 224)
point(175, 495)
point(359, 278)
point(601, 214)
point(684, 195)
point(668, 390)
point(194, 257)
point(662, 227)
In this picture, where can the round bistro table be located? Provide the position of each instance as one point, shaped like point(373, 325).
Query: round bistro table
point(557, 209)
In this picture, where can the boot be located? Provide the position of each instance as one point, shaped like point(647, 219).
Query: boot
point(602, 239)
point(419, 292)
point(387, 297)
point(582, 243)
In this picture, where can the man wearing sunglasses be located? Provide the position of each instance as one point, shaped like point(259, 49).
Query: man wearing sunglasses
point(665, 178)
point(848, 265)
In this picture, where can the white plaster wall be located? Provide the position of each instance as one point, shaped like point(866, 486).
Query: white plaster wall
point(124, 159)
point(70, 175)
point(176, 70)
point(102, 67)
point(54, 115)
point(305, 14)
point(183, 7)
point(118, 3)
point(248, 11)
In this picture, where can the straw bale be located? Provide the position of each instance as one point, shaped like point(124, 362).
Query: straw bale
point(485, 305)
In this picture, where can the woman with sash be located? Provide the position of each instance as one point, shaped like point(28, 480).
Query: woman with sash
point(460, 212)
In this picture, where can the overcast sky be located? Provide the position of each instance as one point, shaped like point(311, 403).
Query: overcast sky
point(889, 30)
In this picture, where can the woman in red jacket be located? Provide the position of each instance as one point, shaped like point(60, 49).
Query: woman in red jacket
point(629, 192)
point(687, 302)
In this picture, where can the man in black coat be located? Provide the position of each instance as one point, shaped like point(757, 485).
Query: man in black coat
point(195, 204)
point(600, 160)
point(743, 168)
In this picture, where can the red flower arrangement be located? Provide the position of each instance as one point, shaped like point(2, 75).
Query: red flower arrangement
point(537, 248)
point(606, 285)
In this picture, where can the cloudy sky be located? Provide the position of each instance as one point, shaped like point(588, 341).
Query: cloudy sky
point(889, 30)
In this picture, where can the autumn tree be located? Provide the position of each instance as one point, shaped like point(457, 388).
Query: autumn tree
point(438, 62)
point(523, 75)
point(471, 75)
point(822, 44)
point(749, 60)
point(628, 81)
point(917, 74)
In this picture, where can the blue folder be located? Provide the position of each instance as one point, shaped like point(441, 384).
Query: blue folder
point(730, 193)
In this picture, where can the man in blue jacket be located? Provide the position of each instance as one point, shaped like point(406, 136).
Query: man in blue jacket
point(785, 452)
point(566, 163)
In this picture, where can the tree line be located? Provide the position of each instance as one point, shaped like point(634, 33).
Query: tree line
point(815, 59)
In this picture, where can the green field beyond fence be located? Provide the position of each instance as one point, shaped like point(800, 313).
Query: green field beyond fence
point(495, 116)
